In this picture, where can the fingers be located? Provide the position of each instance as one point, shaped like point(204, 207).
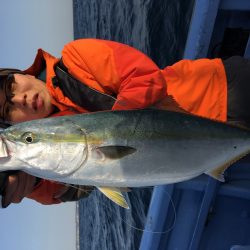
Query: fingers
point(18, 186)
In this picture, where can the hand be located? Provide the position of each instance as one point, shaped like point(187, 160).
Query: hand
point(18, 186)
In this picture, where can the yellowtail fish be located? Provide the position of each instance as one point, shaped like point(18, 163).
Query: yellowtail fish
point(116, 149)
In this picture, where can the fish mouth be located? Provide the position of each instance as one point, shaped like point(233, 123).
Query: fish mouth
point(10, 136)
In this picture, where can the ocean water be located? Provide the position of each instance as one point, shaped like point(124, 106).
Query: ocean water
point(159, 29)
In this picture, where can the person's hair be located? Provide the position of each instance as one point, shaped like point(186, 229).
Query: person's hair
point(4, 73)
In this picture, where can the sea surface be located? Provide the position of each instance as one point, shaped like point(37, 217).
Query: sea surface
point(159, 29)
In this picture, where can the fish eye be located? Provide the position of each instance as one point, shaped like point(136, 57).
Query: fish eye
point(28, 137)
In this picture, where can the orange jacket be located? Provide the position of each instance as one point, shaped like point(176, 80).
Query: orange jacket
point(198, 87)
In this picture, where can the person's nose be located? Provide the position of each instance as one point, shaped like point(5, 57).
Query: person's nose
point(19, 100)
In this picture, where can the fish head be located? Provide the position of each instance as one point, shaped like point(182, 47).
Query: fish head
point(44, 148)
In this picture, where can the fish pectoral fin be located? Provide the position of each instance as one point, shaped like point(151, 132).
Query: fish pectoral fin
point(115, 152)
point(115, 195)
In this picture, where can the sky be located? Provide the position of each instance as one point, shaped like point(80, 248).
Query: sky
point(26, 26)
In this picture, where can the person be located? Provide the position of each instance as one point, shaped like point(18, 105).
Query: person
point(212, 88)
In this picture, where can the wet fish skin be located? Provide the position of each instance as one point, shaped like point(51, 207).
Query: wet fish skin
point(123, 148)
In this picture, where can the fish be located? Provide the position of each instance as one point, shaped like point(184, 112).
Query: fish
point(113, 150)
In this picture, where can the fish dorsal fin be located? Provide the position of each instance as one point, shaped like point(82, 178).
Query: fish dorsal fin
point(115, 152)
point(114, 194)
point(218, 173)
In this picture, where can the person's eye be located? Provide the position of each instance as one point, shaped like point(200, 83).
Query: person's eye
point(6, 112)
point(10, 87)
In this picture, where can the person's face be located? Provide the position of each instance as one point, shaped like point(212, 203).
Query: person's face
point(30, 99)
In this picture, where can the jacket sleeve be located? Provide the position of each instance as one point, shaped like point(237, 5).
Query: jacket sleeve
point(45, 191)
point(116, 69)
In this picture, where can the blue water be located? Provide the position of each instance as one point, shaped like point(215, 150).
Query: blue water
point(159, 29)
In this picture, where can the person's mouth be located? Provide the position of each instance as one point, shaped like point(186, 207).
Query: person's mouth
point(37, 102)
